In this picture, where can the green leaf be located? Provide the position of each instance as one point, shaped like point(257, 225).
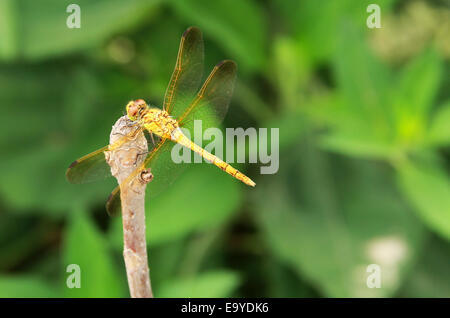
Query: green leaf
point(203, 197)
point(362, 122)
point(37, 155)
point(418, 84)
point(317, 25)
point(430, 276)
point(414, 94)
point(85, 247)
point(291, 125)
point(26, 286)
point(213, 284)
point(358, 145)
point(19, 238)
point(329, 219)
point(439, 132)
point(237, 25)
point(8, 29)
point(428, 189)
point(37, 29)
point(292, 71)
point(363, 80)
point(283, 282)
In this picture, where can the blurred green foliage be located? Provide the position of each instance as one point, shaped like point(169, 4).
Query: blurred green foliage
point(364, 161)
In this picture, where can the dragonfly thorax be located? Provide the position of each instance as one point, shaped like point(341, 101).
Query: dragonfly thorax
point(159, 122)
point(153, 119)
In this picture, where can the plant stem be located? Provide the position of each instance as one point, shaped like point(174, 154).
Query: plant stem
point(123, 161)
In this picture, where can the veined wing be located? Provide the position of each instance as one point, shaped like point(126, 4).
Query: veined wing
point(93, 166)
point(113, 205)
point(187, 74)
point(89, 168)
point(211, 103)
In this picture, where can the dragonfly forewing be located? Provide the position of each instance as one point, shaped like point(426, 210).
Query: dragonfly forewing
point(89, 168)
point(113, 204)
point(93, 167)
point(211, 102)
point(187, 74)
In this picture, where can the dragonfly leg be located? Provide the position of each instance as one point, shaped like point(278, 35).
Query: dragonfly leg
point(141, 154)
point(119, 133)
point(129, 136)
point(132, 124)
point(153, 140)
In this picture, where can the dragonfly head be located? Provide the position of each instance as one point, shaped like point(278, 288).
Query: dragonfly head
point(136, 108)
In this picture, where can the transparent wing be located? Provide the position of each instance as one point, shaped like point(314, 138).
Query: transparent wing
point(187, 74)
point(93, 166)
point(113, 204)
point(89, 168)
point(211, 103)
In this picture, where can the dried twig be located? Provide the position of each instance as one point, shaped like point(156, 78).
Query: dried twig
point(123, 161)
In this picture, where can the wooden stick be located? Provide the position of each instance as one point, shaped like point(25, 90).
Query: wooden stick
point(123, 161)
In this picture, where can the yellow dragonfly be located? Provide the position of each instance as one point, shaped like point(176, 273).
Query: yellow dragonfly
point(182, 104)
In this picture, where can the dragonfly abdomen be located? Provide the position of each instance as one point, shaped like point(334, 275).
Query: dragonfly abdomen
point(179, 137)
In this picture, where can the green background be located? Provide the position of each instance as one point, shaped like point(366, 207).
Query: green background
point(364, 119)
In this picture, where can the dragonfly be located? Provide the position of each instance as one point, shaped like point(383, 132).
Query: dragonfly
point(183, 103)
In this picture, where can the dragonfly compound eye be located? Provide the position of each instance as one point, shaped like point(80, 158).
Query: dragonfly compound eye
point(140, 102)
point(132, 110)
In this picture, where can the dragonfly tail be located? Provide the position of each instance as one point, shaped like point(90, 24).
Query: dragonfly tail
point(180, 138)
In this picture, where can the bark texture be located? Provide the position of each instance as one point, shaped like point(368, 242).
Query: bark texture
point(123, 161)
